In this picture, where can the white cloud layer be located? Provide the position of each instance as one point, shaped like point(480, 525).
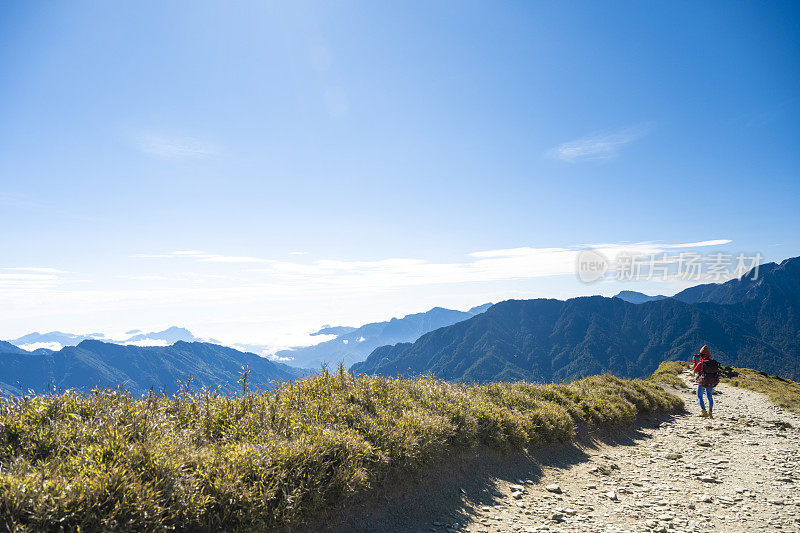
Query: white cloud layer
point(55, 346)
point(256, 300)
point(482, 266)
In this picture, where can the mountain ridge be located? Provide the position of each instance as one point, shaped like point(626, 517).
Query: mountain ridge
point(746, 287)
point(356, 344)
point(94, 363)
point(635, 297)
point(170, 335)
point(552, 340)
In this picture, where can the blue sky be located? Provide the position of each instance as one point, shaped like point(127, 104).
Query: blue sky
point(344, 162)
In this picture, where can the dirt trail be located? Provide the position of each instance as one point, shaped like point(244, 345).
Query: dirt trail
point(737, 472)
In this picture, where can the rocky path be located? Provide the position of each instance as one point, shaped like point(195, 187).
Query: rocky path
point(737, 472)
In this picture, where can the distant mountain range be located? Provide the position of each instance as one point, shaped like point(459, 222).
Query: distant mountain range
point(334, 330)
point(170, 336)
point(93, 363)
point(351, 344)
point(638, 297)
point(355, 344)
point(54, 337)
point(55, 340)
point(747, 323)
point(87, 361)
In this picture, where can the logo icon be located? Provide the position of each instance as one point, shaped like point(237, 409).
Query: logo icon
point(590, 266)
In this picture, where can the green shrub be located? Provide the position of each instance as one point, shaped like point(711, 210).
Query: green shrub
point(266, 460)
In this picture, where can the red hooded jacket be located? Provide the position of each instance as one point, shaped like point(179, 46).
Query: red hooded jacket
point(697, 365)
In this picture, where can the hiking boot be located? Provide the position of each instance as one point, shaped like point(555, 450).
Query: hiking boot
point(703, 413)
point(710, 414)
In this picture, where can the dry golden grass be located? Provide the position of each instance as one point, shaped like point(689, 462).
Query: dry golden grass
point(266, 460)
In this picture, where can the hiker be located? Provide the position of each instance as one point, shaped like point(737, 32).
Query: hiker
point(707, 371)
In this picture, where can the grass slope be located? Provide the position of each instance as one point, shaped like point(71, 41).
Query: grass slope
point(667, 374)
point(270, 460)
point(781, 391)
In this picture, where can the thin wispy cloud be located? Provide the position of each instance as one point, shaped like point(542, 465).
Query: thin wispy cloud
point(23, 278)
point(718, 242)
point(44, 270)
point(27, 276)
point(598, 146)
point(167, 147)
point(204, 257)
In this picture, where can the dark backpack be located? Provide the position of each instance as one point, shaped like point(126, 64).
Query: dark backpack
point(709, 373)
